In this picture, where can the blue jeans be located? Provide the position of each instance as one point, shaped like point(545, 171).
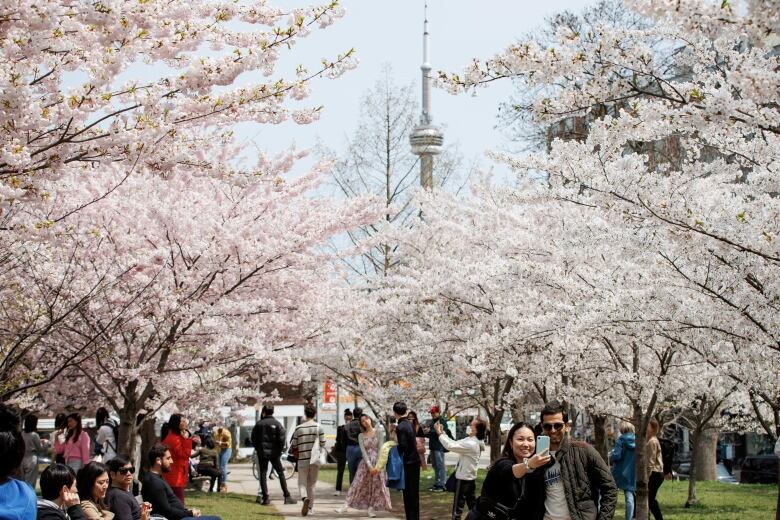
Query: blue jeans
point(353, 460)
point(439, 470)
point(629, 504)
point(224, 457)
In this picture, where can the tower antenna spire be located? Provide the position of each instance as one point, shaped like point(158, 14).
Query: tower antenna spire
point(426, 139)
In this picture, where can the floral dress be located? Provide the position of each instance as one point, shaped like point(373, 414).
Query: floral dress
point(369, 490)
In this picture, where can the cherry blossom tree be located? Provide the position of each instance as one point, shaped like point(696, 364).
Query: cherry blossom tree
point(683, 156)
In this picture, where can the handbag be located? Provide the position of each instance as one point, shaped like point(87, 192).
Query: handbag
point(317, 455)
point(292, 455)
point(452, 482)
point(487, 508)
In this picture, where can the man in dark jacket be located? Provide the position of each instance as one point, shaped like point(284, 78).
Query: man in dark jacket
point(437, 450)
point(158, 492)
point(340, 450)
point(407, 448)
point(268, 438)
point(354, 455)
point(60, 499)
point(578, 483)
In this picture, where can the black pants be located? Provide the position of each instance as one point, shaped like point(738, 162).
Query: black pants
point(341, 464)
point(276, 464)
point(654, 482)
point(464, 494)
point(213, 473)
point(412, 491)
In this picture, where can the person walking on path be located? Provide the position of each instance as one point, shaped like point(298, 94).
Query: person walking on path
point(369, 490)
point(75, 447)
point(340, 451)
point(353, 447)
point(176, 436)
point(32, 449)
point(655, 468)
point(437, 450)
point(309, 441)
point(578, 484)
point(407, 448)
point(268, 438)
point(469, 450)
point(224, 441)
point(623, 458)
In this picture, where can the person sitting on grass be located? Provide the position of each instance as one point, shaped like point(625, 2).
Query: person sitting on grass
point(60, 498)
point(119, 496)
point(158, 492)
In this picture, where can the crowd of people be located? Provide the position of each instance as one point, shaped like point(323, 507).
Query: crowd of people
point(89, 479)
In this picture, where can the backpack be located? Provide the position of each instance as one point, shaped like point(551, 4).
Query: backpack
point(668, 450)
point(115, 430)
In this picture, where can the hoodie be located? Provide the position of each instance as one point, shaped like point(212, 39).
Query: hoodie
point(624, 462)
point(17, 500)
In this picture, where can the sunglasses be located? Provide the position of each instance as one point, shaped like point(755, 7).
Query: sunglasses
point(125, 471)
point(548, 427)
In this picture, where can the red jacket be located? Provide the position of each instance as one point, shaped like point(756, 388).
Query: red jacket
point(180, 449)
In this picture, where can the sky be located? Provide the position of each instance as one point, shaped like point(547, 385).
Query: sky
point(390, 32)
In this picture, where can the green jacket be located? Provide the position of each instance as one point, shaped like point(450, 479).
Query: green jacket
point(591, 493)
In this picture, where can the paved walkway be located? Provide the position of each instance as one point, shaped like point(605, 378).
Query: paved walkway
point(242, 481)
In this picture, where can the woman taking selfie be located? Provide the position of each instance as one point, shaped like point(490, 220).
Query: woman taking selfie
point(512, 481)
point(75, 447)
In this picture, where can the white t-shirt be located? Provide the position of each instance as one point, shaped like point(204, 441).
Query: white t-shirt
point(555, 496)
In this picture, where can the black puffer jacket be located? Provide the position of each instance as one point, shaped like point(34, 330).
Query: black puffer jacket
point(591, 493)
point(268, 437)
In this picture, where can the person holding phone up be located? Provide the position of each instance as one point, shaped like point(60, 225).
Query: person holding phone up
point(514, 484)
point(578, 482)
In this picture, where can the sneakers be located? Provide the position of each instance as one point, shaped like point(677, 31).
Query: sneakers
point(262, 500)
point(290, 500)
point(436, 489)
point(371, 513)
point(305, 507)
point(337, 493)
point(340, 510)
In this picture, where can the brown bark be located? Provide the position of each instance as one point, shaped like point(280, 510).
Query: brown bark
point(641, 498)
point(495, 435)
point(705, 455)
point(600, 435)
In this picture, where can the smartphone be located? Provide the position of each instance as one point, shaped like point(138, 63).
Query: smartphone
point(542, 443)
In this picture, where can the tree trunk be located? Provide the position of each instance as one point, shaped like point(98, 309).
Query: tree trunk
point(148, 439)
point(495, 435)
point(706, 455)
point(641, 508)
point(696, 442)
point(127, 428)
point(600, 435)
point(777, 506)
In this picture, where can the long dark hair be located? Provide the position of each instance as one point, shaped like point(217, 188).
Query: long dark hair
point(101, 416)
point(173, 425)
point(361, 421)
point(75, 433)
point(415, 422)
point(85, 481)
point(11, 443)
point(61, 421)
point(508, 452)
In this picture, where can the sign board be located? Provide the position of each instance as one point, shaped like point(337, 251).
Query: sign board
point(328, 422)
point(328, 395)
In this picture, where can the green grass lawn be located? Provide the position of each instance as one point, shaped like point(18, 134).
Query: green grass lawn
point(230, 506)
point(716, 501)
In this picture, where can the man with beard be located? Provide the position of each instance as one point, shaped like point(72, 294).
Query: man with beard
point(158, 492)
